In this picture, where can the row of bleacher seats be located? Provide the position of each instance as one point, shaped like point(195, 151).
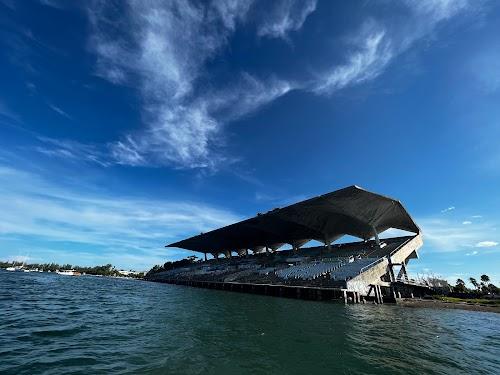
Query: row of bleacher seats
point(308, 271)
point(349, 270)
point(338, 270)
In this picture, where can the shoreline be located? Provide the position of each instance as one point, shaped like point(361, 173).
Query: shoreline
point(414, 303)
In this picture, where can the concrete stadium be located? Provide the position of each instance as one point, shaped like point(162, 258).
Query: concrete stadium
point(246, 256)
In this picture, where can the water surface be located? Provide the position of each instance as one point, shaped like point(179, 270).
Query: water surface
point(52, 324)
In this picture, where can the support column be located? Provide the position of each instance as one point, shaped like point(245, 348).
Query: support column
point(377, 295)
point(377, 240)
point(205, 256)
point(328, 243)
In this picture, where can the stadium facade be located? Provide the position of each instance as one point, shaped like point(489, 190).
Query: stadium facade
point(246, 256)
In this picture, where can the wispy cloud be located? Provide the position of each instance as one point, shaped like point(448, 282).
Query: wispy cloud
point(475, 252)
point(486, 244)
point(373, 53)
point(172, 41)
point(447, 235)
point(466, 222)
point(448, 209)
point(44, 213)
point(284, 16)
point(59, 111)
point(379, 42)
point(73, 151)
point(163, 49)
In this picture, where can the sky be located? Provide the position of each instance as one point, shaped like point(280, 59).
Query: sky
point(127, 125)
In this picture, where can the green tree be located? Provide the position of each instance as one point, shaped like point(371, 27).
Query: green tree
point(473, 281)
point(485, 279)
point(460, 286)
point(493, 289)
point(484, 284)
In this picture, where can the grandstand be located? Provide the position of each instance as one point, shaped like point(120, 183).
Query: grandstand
point(246, 256)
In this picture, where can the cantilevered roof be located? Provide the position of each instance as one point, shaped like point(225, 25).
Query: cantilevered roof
point(352, 210)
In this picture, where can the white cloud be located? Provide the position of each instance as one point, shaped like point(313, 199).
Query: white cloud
point(72, 151)
point(448, 209)
point(372, 55)
point(163, 48)
point(377, 43)
point(476, 216)
point(59, 111)
point(466, 222)
point(446, 235)
point(284, 16)
point(41, 213)
point(486, 244)
point(473, 253)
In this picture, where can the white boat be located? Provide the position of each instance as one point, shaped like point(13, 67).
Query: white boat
point(15, 268)
point(68, 272)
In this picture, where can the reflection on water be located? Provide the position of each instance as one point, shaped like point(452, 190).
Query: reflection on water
point(56, 324)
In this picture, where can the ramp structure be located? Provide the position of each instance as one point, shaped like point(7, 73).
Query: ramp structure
point(246, 256)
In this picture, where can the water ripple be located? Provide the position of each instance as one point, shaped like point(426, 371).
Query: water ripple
point(51, 324)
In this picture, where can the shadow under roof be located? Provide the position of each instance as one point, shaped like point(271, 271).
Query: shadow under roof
point(349, 211)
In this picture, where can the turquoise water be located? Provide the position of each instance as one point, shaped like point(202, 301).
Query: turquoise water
point(51, 324)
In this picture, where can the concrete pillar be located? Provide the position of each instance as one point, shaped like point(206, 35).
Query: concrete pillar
point(380, 294)
point(377, 240)
point(377, 294)
point(205, 257)
point(345, 296)
point(328, 243)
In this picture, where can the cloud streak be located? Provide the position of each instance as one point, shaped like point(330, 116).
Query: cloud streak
point(164, 53)
point(59, 111)
point(40, 213)
point(486, 244)
point(285, 16)
point(163, 49)
point(448, 209)
point(446, 235)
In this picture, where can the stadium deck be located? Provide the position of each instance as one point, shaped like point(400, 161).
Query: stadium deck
point(373, 269)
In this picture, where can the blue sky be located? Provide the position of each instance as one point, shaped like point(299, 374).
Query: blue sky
point(127, 125)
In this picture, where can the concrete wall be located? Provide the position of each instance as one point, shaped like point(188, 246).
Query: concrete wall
point(362, 282)
point(406, 252)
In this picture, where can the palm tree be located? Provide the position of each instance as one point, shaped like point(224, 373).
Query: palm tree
point(473, 281)
point(460, 286)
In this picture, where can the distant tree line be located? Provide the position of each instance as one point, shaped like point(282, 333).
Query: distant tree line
point(104, 270)
point(172, 265)
point(483, 287)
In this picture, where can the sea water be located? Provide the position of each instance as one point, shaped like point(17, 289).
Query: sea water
point(53, 324)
